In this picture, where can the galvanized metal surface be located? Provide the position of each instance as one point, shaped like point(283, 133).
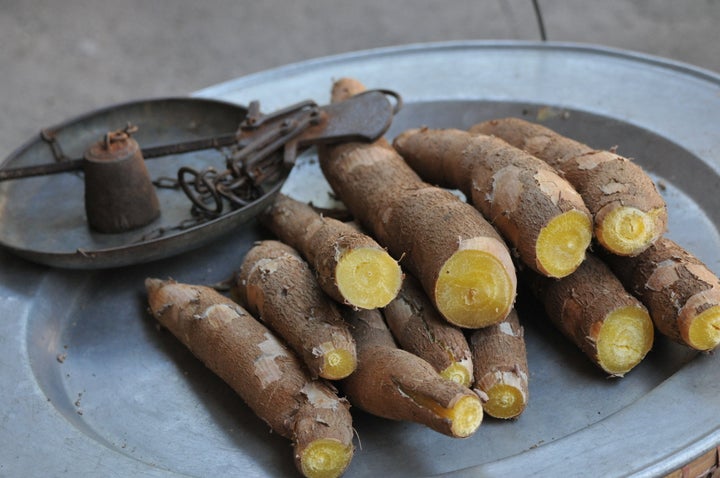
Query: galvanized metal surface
point(93, 388)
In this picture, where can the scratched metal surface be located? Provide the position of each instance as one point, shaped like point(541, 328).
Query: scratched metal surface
point(93, 388)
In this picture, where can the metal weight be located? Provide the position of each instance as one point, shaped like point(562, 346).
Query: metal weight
point(119, 194)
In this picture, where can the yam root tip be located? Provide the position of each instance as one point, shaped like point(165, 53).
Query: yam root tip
point(337, 364)
point(505, 400)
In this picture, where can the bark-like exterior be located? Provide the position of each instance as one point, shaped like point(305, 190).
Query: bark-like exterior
point(275, 283)
point(254, 362)
point(517, 192)
point(673, 284)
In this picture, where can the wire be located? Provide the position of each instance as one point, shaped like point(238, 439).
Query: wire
point(539, 17)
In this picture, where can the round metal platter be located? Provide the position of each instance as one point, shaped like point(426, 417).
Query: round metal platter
point(92, 387)
point(43, 218)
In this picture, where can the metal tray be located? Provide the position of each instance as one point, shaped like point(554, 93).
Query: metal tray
point(92, 387)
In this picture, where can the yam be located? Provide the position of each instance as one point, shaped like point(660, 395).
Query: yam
point(277, 285)
point(592, 308)
point(350, 266)
point(461, 261)
point(419, 329)
point(501, 367)
point(679, 290)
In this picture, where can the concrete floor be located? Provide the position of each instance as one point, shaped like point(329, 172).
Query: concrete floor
point(60, 59)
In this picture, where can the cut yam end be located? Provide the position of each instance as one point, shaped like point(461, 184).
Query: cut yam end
point(325, 458)
point(504, 401)
point(368, 278)
point(562, 243)
point(625, 337)
point(704, 330)
point(337, 364)
point(627, 231)
point(457, 373)
point(474, 289)
point(465, 416)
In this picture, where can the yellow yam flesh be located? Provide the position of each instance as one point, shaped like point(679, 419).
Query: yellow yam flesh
point(625, 337)
point(627, 230)
point(561, 245)
point(337, 363)
point(457, 373)
point(474, 289)
point(704, 331)
point(465, 415)
point(325, 458)
point(368, 278)
point(504, 401)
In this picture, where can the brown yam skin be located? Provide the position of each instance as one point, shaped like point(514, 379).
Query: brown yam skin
point(602, 178)
point(368, 178)
point(673, 284)
point(387, 377)
point(321, 240)
point(251, 359)
point(277, 285)
point(515, 191)
point(578, 304)
point(420, 329)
